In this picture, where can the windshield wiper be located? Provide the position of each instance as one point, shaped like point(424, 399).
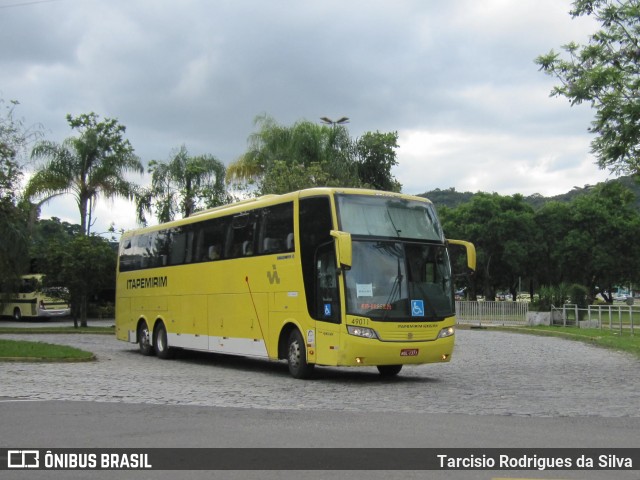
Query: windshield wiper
point(395, 229)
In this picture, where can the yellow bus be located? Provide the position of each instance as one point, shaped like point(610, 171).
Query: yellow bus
point(324, 276)
point(33, 300)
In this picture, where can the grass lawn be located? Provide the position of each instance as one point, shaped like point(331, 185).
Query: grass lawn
point(612, 339)
point(54, 329)
point(18, 350)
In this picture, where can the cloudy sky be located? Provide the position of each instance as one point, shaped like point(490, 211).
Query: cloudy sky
point(455, 79)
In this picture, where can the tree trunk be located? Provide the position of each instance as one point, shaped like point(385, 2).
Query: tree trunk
point(83, 310)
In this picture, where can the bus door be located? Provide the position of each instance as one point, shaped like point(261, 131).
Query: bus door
point(327, 303)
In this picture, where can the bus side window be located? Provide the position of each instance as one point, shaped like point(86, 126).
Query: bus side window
point(125, 256)
point(242, 235)
point(211, 238)
point(179, 247)
point(142, 250)
point(276, 223)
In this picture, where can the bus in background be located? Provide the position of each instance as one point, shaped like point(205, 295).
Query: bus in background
point(35, 301)
point(324, 276)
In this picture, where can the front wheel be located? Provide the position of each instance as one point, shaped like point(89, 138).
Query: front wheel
point(17, 314)
point(297, 357)
point(389, 370)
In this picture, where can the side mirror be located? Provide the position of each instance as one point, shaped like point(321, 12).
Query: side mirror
point(471, 252)
point(343, 248)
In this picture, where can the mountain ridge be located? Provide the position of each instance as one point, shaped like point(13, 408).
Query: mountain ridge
point(451, 198)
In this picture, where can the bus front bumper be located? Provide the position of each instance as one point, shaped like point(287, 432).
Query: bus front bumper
point(48, 313)
point(373, 352)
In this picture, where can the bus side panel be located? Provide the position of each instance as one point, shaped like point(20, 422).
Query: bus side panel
point(149, 304)
point(327, 343)
point(238, 323)
point(124, 321)
point(187, 322)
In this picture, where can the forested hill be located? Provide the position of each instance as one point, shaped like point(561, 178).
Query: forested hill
point(452, 198)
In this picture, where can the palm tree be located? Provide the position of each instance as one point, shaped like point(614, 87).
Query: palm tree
point(92, 164)
point(183, 185)
point(305, 146)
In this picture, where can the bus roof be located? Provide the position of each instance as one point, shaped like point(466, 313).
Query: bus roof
point(267, 200)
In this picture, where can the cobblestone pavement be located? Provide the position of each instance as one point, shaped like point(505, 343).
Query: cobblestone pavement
point(491, 372)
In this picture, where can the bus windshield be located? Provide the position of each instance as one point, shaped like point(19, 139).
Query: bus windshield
point(388, 216)
point(399, 281)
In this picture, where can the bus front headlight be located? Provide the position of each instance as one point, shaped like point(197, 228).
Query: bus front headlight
point(446, 332)
point(361, 331)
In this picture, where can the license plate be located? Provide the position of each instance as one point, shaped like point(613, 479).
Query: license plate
point(408, 352)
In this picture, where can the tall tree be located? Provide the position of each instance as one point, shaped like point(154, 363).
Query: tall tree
point(503, 231)
point(14, 214)
point(275, 148)
point(183, 185)
point(606, 73)
point(599, 247)
point(282, 158)
point(87, 166)
point(85, 265)
point(376, 156)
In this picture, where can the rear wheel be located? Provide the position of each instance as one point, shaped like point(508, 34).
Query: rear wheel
point(297, 356)
point(144, 339)
point(17, 314)
point(389, 370)
point(160, 343)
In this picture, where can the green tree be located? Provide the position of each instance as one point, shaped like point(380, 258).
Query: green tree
point(84, 264)
point(14, 214)
point(281, 158)
point(553, 222)
point(298, 147)
point(599, 247)
point(376, 156)
point(44, 234)
point(606, 73)
point(92, 164)
point(503, 231)
point(183, 185)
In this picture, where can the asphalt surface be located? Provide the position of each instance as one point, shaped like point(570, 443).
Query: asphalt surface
point(500, 390)
point(491, 373)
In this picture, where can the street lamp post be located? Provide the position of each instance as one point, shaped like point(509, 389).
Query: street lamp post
point(340, 121)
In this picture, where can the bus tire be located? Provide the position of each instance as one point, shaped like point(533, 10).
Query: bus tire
point(144, 339)
point(17, 314)
point(160, 343)
point(389, 370)
point(297, 356)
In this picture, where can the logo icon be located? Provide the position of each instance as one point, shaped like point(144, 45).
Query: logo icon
point(417, 308)
point(327, 309)
point(23, 459)
point(273, 276)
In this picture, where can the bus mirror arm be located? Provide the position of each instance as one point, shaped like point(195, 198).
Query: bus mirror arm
point(471, 253)
point(343, 249)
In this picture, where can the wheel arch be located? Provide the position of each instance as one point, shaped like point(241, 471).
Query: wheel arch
point(139, 323)
point(283, 339)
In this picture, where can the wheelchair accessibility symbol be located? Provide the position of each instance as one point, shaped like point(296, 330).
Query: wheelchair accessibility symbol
point(327, 309)
point(417, 308)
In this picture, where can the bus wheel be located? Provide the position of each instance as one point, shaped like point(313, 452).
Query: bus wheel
point(297, 356)
point(160, 344)
point(17, 314)
point(144, 339)
point(389, 370)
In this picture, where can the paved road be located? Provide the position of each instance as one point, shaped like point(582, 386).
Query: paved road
point(492, 373)
point(500, 390)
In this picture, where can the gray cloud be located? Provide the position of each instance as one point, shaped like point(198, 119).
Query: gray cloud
point(455, 79)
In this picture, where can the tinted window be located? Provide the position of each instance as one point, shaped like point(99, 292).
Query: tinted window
point(276, 229)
